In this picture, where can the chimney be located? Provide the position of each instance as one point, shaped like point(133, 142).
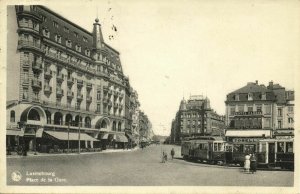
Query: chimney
point(271, 84)
point(256, 82)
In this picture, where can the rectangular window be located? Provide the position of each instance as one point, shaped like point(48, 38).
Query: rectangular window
point(55, 24)
point(289, 147)
point(268, 109)
point(98, 95)
point(25, 94)
point(241, 108)
point(291, 109)
point(267, 122)
point(98, 107)
point(279, 112)
point(290, 120)
point(258, 108)
point(279, 124)
point(250, 109)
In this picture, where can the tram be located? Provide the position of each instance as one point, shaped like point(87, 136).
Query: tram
point(271, 153)
point(204, 149)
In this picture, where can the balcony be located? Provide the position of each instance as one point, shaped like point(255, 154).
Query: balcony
point(250, 113)
point(48, 74)
point(47, 89)
point(26, 63)
point(89, 98)
point(70, 80)
point(105, 88)
point(60, 77)
point(59, 92)
point(70, 94)
point(37, 84)
point(29, 45)
point(116, 105)
point(37, 66)
point(89, 86)
point(79, 83)
point(79, 96)
point(25, 81)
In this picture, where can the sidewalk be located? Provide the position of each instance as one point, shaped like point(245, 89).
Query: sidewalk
point(31, 154)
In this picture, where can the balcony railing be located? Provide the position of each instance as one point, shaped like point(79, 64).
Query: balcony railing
point(248, 113)
point(60, 77)
point(23, 24)
point(48, 73)
point(37, 66)
point(80, 83)
point(70, 80)
point(79, 96)
point(70, 94)
point(27, 43)
point(47, 89)
point(59, 92)
point(89, 98)
point(26, 63)
point(36, 83)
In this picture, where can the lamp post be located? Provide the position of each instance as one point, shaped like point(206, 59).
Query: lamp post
point(68, 137)
point(79, 123)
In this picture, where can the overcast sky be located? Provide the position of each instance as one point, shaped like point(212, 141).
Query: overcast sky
point(171, 49)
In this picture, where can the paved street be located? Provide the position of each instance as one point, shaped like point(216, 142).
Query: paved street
point(138, 167)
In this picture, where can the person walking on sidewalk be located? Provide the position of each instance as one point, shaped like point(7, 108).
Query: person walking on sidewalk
point(247, 163)
point(172, 153)
point(253, 163)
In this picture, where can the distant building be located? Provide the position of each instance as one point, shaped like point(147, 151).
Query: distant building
point(256, 112)
point(195, 117)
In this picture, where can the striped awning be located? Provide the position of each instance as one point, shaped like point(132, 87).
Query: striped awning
point(121, 138)
point(60, 135)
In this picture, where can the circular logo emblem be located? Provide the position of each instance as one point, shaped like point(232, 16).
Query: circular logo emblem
point(16, 176)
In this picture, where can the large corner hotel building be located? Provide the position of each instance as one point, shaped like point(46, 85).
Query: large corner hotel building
point(62, 78)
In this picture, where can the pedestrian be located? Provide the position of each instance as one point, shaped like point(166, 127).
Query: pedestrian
point(163, 157)
point(172, 153)
point(247, 163)
point(253, 163)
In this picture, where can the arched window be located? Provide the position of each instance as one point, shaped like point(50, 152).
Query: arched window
point(34, 115)
point(103, 124)
point(114, 126)
point(78, 120)
point(48, 115)
point(68, 119)
point(119, 126)
point(57, 118)
point(87, 122)
point(12, 116)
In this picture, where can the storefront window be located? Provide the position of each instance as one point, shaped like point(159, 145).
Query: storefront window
point(280, 147)
point(238, 148)
point(249, 149)
point(289, 147)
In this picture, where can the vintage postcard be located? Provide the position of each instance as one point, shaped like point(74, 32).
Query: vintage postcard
point(111, 96)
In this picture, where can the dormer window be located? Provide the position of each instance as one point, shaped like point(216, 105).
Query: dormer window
point(46, 33)
point(66, 29)
point(78, 48)
point(55, 24)
point(85, 39)
point(250, 96)
point(69, 43)
point(58, 38)
point(263, 96)
point(236, 97)
point(87, 52)
point(76, 34)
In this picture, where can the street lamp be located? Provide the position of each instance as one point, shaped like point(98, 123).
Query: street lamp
point(79, 123)
point(68, 136)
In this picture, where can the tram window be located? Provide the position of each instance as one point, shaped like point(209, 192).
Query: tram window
point(238, 148)
point(220, 147)
point(215, 147)
point(289, 147)
point(280, 147)
point(228, 148)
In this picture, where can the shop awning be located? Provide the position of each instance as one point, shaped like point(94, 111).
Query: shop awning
point(121, 138)
point(248, 133)
point(12, 132)
point(105, 136)
point(72, 136)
